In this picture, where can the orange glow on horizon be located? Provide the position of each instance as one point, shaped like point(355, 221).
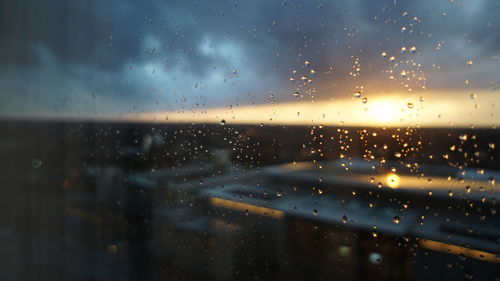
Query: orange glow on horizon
point(448, 108)
point(443, 109)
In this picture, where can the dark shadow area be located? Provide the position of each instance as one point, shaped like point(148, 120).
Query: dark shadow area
point(122, 201)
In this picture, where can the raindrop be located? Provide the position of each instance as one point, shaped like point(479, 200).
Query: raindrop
point(223, 122)
point(413, 49)
point(463, 137)
point(462, 257)
point(410, 105)
point(384, 54)
point(473, 96)
point(392, 58)
point(492, 180)
point(296, 94)
point(491, 145)
point(36, 163)
point(375, 258)
point(112, 249)
point(467, 188)
point(357, 94)
point(396, 220)
point(364, 100)
point(470, 63)
point(403, 73)
point(344, 219)
point(315, 212)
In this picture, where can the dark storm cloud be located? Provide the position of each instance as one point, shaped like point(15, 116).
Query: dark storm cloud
point(272, 38)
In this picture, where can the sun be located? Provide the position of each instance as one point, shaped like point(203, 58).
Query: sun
point(393, 181)
point(385, 111)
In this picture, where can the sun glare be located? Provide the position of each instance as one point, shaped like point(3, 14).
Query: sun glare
point(384, 111)
point(393, 181)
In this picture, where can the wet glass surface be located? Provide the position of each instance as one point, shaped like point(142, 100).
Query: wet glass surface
point(257, 140)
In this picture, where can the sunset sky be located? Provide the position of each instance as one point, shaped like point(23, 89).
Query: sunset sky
point(356, 62)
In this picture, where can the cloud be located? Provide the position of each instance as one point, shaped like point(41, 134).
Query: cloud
point(109, 57)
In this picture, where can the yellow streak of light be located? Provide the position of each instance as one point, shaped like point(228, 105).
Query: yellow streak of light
point(439, 109)
point(240, 206)
point(456, 250)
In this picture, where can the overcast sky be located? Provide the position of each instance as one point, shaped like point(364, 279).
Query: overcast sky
point(98, 57)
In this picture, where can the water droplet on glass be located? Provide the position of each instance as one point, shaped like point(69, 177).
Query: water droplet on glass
point(413, 49)
point(463, 137)
point(470, 63)
point(403, 73)
point(364, 100)
point(462, 257)
point(375, 258)
point(491, 145)
point(344, 219)
point(396, 220)
point(112, 249)
point(357, 94)
point(492, 180)
point(36, 163)
point(315, 212)
point(223, 122)
point(392, 58)
point(410, 105)
point(296, 94)
point(473, 96)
